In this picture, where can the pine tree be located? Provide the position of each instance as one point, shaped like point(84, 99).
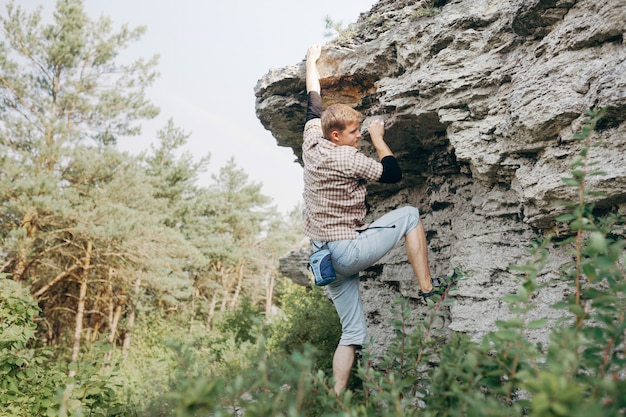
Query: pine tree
point(75, 221)
point(226, 224)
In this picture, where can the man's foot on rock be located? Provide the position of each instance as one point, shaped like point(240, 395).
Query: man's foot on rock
point(439, 285)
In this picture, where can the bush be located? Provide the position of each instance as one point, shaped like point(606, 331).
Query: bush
point(169, 366)
point(243, 322)
point(27, 386)
point(307, 317)
point(33, 383)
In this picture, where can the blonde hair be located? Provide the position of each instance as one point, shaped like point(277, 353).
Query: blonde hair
point(337, 117)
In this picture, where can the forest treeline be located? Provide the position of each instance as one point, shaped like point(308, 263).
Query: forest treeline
point(92, 231)
point(102, 240)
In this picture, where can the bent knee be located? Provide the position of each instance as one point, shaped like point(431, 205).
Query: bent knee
point(412, 215)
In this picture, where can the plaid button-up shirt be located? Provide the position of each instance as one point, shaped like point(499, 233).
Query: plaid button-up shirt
point(335, 180)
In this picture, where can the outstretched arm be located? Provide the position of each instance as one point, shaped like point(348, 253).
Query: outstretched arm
point(312, 76)
point(313, 89)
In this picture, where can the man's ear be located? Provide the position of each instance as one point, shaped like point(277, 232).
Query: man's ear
point(334, 135)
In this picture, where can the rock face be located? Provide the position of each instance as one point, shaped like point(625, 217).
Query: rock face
point(481, 101)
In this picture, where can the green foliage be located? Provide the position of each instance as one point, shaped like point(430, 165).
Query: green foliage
point(242, 322)
point(17, 313)
point(65, 101)
point(93, 389)
point(293, 384)
point(147, 370)
point(27, 386)
point(137, 234)
point(63, 75)
point(394, 384)
point(33, 383)
point(167, 360)
point(337, 31)
point(308, 317)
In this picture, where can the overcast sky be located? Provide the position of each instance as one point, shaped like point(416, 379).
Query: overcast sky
point(212, 53)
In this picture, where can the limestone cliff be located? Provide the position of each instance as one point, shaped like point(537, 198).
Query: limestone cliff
point(481, 100)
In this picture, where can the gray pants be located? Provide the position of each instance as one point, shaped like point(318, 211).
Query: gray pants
point(352, 256)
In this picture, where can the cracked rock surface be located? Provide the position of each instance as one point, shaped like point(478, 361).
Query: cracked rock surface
point(481, 102)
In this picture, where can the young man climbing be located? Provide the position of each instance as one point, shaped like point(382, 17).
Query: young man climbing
point(335, 177)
